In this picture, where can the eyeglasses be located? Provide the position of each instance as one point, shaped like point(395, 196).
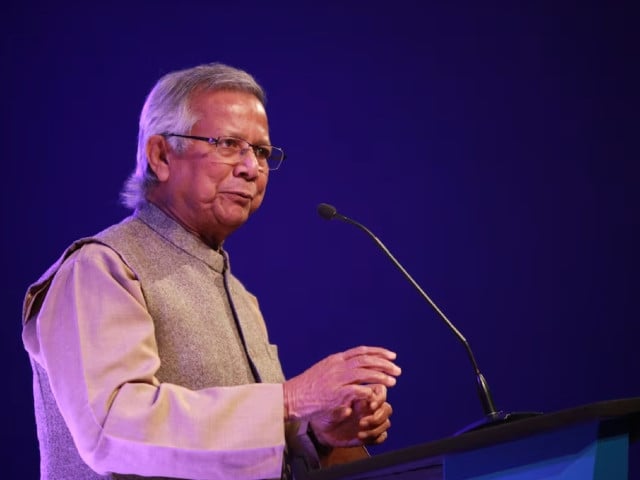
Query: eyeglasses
point(233, 147)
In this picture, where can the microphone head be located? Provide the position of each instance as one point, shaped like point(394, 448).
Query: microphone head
point(327, 211)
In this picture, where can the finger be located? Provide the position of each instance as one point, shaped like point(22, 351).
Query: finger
point(379, 396)
point(377, 417)
point(379, 391)
point(379, 439)
point(376, 428)
point(374, 363)
point(356, 369)
point(353, 373)
point(369, 376)
point(369, 351)
point(373, 433)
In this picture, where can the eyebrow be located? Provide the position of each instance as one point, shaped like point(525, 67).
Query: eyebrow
point(261, 143)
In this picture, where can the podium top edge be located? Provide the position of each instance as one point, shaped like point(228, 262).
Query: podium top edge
point(621, 408)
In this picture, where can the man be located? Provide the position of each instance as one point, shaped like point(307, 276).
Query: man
point(149, 357)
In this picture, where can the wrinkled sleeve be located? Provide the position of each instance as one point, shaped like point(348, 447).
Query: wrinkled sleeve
point(95, 338)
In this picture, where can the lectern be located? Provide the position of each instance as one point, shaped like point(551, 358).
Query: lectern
point(586, 442)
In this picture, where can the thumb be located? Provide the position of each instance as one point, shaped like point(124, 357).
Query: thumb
point(339, 414)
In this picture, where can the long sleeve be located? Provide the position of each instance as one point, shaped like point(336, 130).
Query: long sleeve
point(95, 338)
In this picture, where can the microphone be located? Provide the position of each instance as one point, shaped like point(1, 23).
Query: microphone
point(492, 416)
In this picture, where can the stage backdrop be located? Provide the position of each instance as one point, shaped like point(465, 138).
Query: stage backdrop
point(492, 147)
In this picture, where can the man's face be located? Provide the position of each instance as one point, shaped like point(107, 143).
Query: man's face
point(206, 196)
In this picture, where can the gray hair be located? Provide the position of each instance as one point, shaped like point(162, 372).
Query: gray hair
point(167, 109)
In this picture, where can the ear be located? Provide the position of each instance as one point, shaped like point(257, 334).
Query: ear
point(157, 154)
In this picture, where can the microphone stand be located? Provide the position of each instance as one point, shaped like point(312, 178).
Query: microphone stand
point(491, 415)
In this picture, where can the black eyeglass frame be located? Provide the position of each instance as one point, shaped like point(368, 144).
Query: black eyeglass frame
point(256, 148)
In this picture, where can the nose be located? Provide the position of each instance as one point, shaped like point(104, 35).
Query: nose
point(248, 166)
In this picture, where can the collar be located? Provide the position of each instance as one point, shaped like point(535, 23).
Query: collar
point(181, 238)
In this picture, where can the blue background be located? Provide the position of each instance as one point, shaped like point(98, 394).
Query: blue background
point(493, 148)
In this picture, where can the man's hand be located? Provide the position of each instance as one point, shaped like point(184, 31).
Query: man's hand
point(333, 388)
point(366, 422)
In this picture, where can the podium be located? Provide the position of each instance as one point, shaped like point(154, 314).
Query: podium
point(586, 442)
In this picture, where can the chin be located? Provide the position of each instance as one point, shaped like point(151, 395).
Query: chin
point(236, 220)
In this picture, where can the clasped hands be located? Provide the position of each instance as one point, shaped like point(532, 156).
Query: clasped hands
point(344, 396)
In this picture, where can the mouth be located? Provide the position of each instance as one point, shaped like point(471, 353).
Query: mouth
point(244, 195)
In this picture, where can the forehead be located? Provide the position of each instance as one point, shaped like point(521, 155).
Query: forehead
point(225, 104)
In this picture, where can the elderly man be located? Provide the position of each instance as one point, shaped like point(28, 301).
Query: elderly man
point(149, 357)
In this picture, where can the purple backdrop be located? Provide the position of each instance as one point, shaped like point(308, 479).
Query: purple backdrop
point(494, 151)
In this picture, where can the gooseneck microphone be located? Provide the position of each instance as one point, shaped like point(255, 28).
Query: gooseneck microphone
point(328, 212)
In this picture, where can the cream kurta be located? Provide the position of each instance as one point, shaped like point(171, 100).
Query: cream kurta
point(150, 348)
